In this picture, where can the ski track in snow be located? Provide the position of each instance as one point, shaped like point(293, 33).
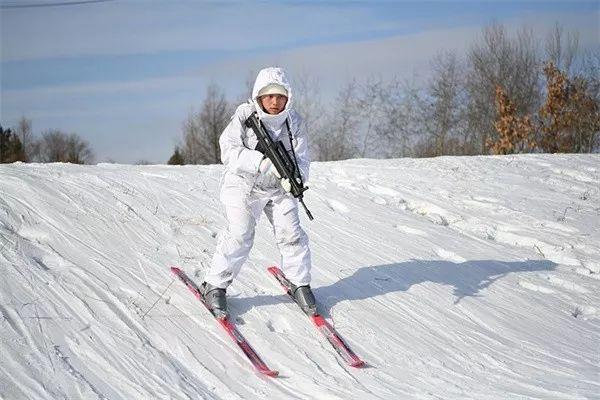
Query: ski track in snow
point(535, 288)
point(440, 273)
point(410, 231)
point(338, 206)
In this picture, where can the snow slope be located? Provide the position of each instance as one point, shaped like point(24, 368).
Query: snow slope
point(454, 278)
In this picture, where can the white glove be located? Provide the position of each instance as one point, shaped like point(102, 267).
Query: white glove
point(270, 176)
point(265, 165)
point(286, 185)
point(268, 173)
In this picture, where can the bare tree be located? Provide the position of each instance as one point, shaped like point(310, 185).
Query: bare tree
point(336, 140)
point(590, 70)
point(510, 63)
point(401, 125)
point(201, 130)
point(370, 103)
point(25, 135)
point(307, 101)
point(561, 51)
point(246, 93)
point(445, 107)
point(57, 146)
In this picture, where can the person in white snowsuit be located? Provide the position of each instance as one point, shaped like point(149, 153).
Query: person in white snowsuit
point(251, 185)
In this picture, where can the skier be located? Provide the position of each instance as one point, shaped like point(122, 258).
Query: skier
point(251, 185)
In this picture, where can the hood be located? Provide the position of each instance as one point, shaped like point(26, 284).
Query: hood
point(266, 77)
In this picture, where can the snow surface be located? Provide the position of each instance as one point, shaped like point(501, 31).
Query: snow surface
point(453, 278)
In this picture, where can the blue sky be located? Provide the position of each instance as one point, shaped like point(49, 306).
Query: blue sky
point(124, 74)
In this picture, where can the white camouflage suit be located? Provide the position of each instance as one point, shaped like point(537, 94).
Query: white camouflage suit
point(245, 193)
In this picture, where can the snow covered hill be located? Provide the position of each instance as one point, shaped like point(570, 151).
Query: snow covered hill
point(453, 278)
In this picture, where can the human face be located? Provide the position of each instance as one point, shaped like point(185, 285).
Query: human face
point(273, 103)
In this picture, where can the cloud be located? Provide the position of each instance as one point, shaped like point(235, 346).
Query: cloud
point(336, 64)
point(136, 27)
point(405, 56)
point(333, 65)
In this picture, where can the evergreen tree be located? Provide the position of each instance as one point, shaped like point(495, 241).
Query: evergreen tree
point(4, 140)
point(11, 149)
point(176, 158)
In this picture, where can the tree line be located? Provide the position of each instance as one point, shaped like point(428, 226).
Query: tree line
point(19, 144)
point(508, 94)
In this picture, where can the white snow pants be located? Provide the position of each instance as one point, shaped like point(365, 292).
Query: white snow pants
point(236, 240)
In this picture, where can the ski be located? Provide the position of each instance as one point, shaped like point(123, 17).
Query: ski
point(322, 325)
point(228, 326)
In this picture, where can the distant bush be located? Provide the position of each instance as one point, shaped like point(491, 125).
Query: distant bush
point(57, 146)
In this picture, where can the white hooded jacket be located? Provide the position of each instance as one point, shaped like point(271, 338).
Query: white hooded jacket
point(238, 142)
point(247, 195)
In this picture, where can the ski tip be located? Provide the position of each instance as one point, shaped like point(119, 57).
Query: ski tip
point(175, 270)
point(273, 269)
point(358, 364)
point(270, 372)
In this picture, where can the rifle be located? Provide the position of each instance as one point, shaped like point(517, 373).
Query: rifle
point(285, 166)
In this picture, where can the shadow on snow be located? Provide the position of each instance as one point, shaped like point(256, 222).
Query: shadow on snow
point(468, 279)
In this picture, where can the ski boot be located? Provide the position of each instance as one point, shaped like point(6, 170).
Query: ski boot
point(305, 298)
point(215, 298)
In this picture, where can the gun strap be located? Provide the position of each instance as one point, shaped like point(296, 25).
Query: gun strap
point(297, 171)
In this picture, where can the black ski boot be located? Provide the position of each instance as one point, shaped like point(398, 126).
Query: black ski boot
point(305, 299)
point(215, 298)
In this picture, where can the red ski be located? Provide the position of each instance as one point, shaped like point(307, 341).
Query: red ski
point(228, 326)
point(322, 325)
